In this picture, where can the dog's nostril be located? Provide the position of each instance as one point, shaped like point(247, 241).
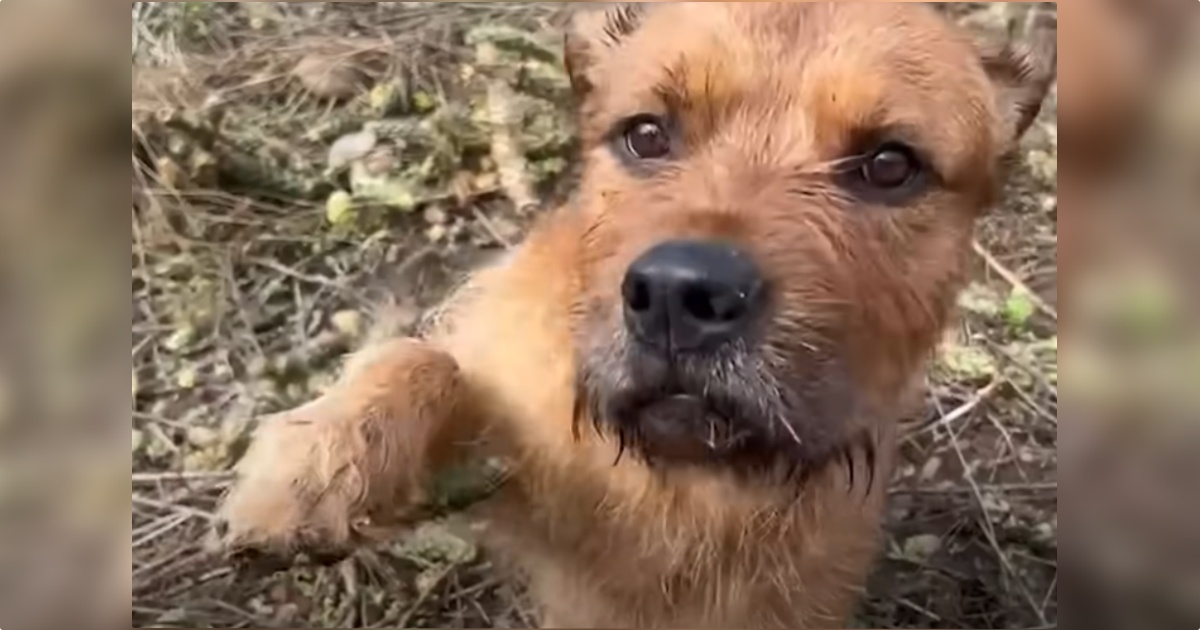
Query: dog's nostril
point(728, 306)
point(698, 302)
point(637, 294)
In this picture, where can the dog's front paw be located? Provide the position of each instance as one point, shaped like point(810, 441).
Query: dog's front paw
point(327, 477)
point(296, 491)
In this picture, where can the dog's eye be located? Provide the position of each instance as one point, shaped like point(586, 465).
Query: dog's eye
point(891, 166)
point(646, 138)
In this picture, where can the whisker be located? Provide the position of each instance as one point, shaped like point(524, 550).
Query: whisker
point(791, 430)
point(578, 411)
point(597, 422)
point(620, 448)
point(872, 461)
point(829, 167)
point(808, 346)
point(848, 454)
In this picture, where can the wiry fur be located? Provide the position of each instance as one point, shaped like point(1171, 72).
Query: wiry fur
point(762, 510)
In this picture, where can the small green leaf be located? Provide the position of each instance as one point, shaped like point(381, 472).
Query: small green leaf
point(384, 98)
point(423, 102)
point(398, 195)
point(1018, 309)
point(339, 208)
point(967, 363)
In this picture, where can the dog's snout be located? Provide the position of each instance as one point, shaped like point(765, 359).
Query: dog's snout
point(687, 296)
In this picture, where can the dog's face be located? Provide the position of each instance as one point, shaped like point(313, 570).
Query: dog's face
point(779, 200)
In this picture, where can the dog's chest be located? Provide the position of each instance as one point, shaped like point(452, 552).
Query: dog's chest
point(590, 565)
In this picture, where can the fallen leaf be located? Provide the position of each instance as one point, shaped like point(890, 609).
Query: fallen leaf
point(339, 208)
point(203, 437)
point(435, 215)
point(921, 548)
point(931, 468)
point(180, 339)
point(1044, 166)
point(332, 76)
point(186, 378)
point(351, 147)
point(348, 323)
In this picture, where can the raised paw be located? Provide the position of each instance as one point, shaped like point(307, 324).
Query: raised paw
point(324, 478)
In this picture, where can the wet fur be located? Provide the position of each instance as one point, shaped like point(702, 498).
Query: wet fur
point(777, 524)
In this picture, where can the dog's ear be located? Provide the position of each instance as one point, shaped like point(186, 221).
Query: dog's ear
point(1022, 70)
point(594, 28)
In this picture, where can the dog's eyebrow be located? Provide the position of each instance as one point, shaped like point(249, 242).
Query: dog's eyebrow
point(866, 137)
point(622, 21)
point(673, 89)
point(704, 83)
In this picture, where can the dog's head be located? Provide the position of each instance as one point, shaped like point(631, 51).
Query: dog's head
point(779, 201)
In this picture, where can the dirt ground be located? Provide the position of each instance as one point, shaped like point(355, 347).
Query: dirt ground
point(297, 164)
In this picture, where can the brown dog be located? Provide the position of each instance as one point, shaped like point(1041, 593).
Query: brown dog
point(775, 216)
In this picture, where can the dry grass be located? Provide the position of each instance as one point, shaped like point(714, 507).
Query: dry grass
point(255, 264)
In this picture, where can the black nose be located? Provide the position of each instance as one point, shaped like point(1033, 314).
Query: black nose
point(685, 296)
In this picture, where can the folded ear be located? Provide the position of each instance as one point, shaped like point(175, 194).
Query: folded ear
point(1023, 70)
point(594, 28)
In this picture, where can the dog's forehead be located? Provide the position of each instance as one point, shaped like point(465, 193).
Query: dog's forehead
point(885, 45)
point(841, 67)
point(790, 33)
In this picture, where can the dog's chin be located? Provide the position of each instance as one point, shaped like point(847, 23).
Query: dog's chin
point(689, 414)
point(675, 428)
point(735, 411)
